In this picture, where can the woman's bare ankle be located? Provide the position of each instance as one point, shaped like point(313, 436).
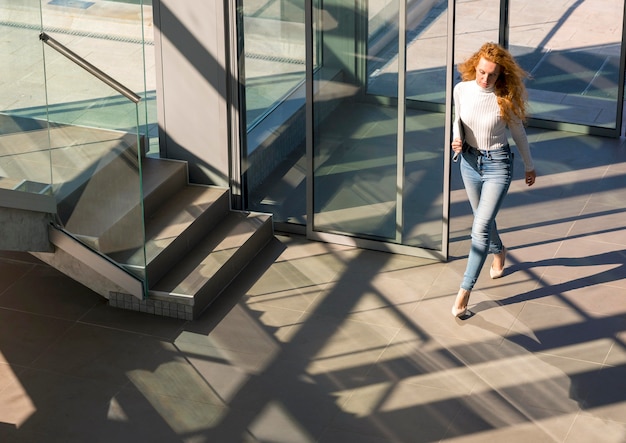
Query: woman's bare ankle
point(462, 298)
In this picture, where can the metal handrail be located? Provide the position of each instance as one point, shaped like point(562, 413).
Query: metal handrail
point(89, 67)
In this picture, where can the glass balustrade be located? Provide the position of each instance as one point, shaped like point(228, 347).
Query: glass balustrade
point(96, 148)
point(68, 133)
point(25, 163)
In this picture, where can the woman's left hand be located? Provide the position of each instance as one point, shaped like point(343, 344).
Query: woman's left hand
point(530, 177)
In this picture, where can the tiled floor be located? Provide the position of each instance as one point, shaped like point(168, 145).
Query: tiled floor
point(323, 343)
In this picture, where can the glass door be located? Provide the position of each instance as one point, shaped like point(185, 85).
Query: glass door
point(575, 54)
point(348, 104)
point(380, 107)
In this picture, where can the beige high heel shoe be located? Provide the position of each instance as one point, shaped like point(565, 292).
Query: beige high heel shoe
point(497, 274)
point(461, 313)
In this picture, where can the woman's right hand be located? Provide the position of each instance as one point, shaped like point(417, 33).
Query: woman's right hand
point(457, 145)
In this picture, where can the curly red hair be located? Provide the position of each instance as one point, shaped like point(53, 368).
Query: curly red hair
point(509, 87)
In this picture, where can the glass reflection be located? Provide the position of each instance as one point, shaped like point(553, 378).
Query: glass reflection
point(273, 73)
point(357, 191)
point(572, 50)
point(355, 140)
point(24, 146)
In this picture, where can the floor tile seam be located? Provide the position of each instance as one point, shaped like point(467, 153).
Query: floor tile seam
point(531, 275)
point(285, 350)
point(317, 359)
point(344, 318)
point(599, 364)
point(587, 318)
point(22, 262)
point(580, 216)
point(529, 419)
point(550, 237)
point(595, 194)
point(335, 426)
point(402, 323)
point(382, 351)
point(302, 316)
point(301, 290)
point(505, 359)
point(588, 413)
point(37, 314)
point(588, 314)
point(349, 393)
point(183, 350)
point(569, 307)
point(51, 346)
point(442, 267)
point(608, 354)
point(596, 237)
point(418, 270)
point(36, 370)
point(191, 397)
point(166, 339)
point(292, 330)
point(612, 284)
point(475, 369)
point(571, 426)
point(28, 271)
point(22, 368)
point(528, 408)
point(494, 341)
point(482, 386)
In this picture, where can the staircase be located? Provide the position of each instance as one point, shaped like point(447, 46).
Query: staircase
point(195, 245)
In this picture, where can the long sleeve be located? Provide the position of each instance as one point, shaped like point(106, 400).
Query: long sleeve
point(518, 133)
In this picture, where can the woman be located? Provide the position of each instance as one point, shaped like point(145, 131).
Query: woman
point(490, 99)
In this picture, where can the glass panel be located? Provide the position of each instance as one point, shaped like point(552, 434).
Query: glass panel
point(96, 134)
point(273, 74)
point(423, 197)
point(426, 53)
point(476, 22)
point(355, 140)
point(426, 40)
point(24, 147)
point(572, 50)
point(119, 41)
point(96, 171)
point(425, 119)
point(382, 47)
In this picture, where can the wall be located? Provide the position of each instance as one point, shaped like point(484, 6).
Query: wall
point(192, 84)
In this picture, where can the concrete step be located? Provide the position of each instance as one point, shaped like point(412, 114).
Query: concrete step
point(162, 178)
point(194, 244)
point(174, 229)
point(215, 261)
point(105, 212)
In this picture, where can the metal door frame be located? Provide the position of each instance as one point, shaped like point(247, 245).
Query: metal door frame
point(441, 255)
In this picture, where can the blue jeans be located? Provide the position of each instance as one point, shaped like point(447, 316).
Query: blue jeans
point(486, 176)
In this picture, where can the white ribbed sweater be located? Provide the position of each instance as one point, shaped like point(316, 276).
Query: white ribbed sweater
point(484, 128)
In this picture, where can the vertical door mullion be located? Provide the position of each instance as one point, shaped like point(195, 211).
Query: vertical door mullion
point(445, 246)
point(622, 79)
point(308, 40)
point(503, 33)
point(238, 144)
point(400, 157)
